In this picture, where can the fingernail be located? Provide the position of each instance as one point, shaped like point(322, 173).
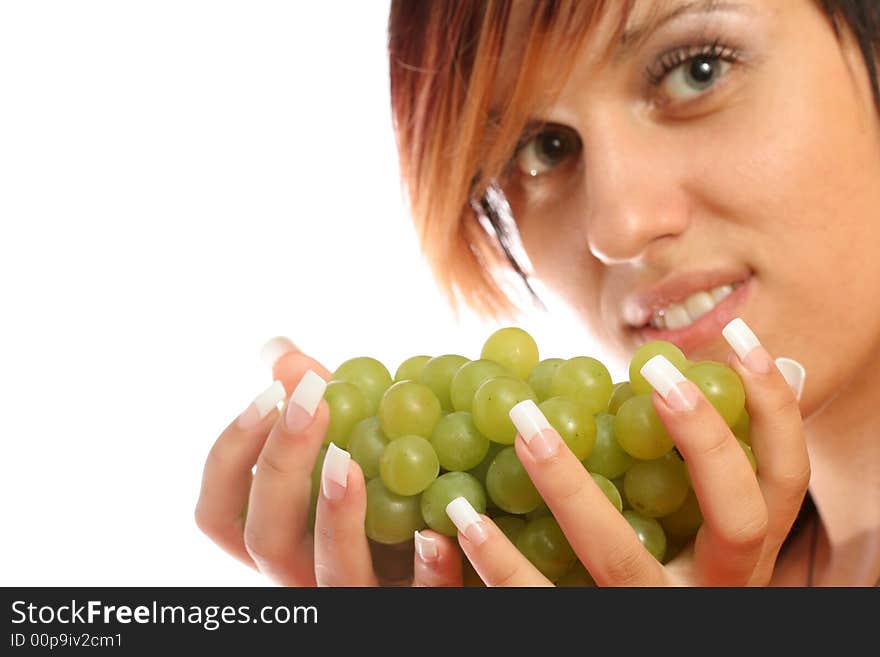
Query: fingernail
point(262, 405)
point(303, 402)
point(793, 373)
point(467, 520)
point(541, 438)
point(426, 548)
point(747, 346)
point(334, 474)
point(275, 349)
point(665, 378)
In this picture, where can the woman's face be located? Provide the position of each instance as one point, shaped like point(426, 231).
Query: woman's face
point(757, 164)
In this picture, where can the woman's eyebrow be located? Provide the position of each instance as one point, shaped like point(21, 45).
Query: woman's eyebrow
point(633, 35)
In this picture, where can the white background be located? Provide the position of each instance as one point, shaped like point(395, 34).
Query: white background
point(179, 182)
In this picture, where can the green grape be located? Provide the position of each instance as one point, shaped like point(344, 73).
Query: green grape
point(639, 431)
point(721, 386)
point(391, 518)
point(509, 485)
point(511, 526)
point(542, 542)
point(540, 512)
point(619, 394)
point(685, 520)
point(480, 471)
point(316, 471)
point(442, 491)
point(369, 375)
point(542, 376)
point(618, 484)
point(646, 352)
point(348, 406)
point(656, 488)
point(687, 472)
point(607, 486)
point(366, 444)
point(492, 403)
point(411, 368)
point(650, 533)
point(468, 378)
point(577, 576)
point(458, 444)
point(583, 379)
point(574, 422)
point(408, 408)
point(742, 427)
point(512, 348)
point(607, 458)
point(408, 465)
point(749, 453)
point(437, 375)
point(316, 486)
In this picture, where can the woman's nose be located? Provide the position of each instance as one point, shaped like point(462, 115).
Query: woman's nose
point(637, 204)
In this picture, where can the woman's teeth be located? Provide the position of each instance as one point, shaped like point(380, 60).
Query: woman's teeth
point(679, 315)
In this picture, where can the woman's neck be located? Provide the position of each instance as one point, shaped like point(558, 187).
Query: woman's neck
point(843, 439)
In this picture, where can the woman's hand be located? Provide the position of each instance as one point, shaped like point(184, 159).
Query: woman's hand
point(746, 517)
point(262, 518)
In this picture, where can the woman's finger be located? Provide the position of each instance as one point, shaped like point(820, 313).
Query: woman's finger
point(437, 560)
point(342, 553)
point(492, 554)
point(601, 537)
point(730, 542)
point(775, 428)
point(226, 479)
point(288, 363)
point(275, 531)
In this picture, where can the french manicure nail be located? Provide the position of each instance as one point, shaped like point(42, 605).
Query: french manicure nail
point(747, 346)
point(794, 374)
point(275, 349)
point(467, 520)
point(426, 548)
point(303, 402)
point(541, 438)
point(673, 386)
point(334, 474)
point(262, 405)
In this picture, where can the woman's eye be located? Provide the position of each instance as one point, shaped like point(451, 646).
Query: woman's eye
point(547, 150)
point(693, 77)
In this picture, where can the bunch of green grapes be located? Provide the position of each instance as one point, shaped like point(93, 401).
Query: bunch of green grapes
point(440, 429)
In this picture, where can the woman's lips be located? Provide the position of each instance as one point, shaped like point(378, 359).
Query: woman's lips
point(707, 328)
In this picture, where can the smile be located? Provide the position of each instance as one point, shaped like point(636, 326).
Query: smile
point(678, 315)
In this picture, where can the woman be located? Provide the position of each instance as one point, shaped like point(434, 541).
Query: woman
point(665, 168)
